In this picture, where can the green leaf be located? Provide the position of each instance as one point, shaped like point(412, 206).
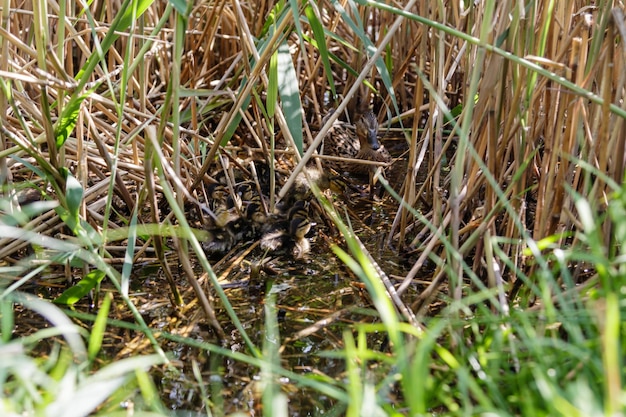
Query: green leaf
point(389, 58)
point(99, 326)
point(73, 200)
point(290, 94)
point(82, 288)
point(79, 227)
point(318, 34)
point(272, 88)
point(232, 127)
point(130, 251)
point(180, 6)
point(73, 194)
point(272, 19)
point(67, 122)
point(7, 320)
point(294, 5)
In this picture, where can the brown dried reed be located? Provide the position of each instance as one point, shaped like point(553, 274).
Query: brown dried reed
point(525, 140)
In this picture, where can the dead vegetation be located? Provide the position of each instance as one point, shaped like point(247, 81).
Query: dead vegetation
point(537, 97)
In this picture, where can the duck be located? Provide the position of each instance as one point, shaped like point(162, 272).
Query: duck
point(355, 142)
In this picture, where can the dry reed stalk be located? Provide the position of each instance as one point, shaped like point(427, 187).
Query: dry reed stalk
point(527, 132)
point(496, 142)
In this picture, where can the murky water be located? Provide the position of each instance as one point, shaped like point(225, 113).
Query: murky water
point(317, 298)
point(306, 292)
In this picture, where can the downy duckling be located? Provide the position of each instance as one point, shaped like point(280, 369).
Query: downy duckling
point(226, 226)
point(256, 216)
point(289, 234)
point(246, 191)
point(218, 241)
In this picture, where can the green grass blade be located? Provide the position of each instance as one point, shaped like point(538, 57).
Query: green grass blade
point(180, 6)
point(232, 127)
point(274, 402)
point(68, 119)
point(294, 5)
point(290, 94)
point(7, 320)
point(320, 42)
point(73, 195)
point(272, 87)
point(99, 327)
point(127, 268)
point(355, 383)
point(73, 294)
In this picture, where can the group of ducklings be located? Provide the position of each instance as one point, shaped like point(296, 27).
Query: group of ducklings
point(239, 211)
point(240, 214)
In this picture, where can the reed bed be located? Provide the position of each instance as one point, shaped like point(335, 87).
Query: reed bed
point(506, 115)
point(527, 138)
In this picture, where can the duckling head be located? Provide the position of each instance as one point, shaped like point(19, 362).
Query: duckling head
point(300, 209)
point(367, 131)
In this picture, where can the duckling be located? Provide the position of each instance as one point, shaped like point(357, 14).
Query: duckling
point(289, 234)
point(225, 226)
point(215, 208)
point(217, 191)
point(358, 142)
point(225, 212)
point(301, 190)
point(276, 237)
point(256, 214)
point(322, 179)
point(218, 241)
point(298, 228)
point(245, 190)
point(299, 210)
